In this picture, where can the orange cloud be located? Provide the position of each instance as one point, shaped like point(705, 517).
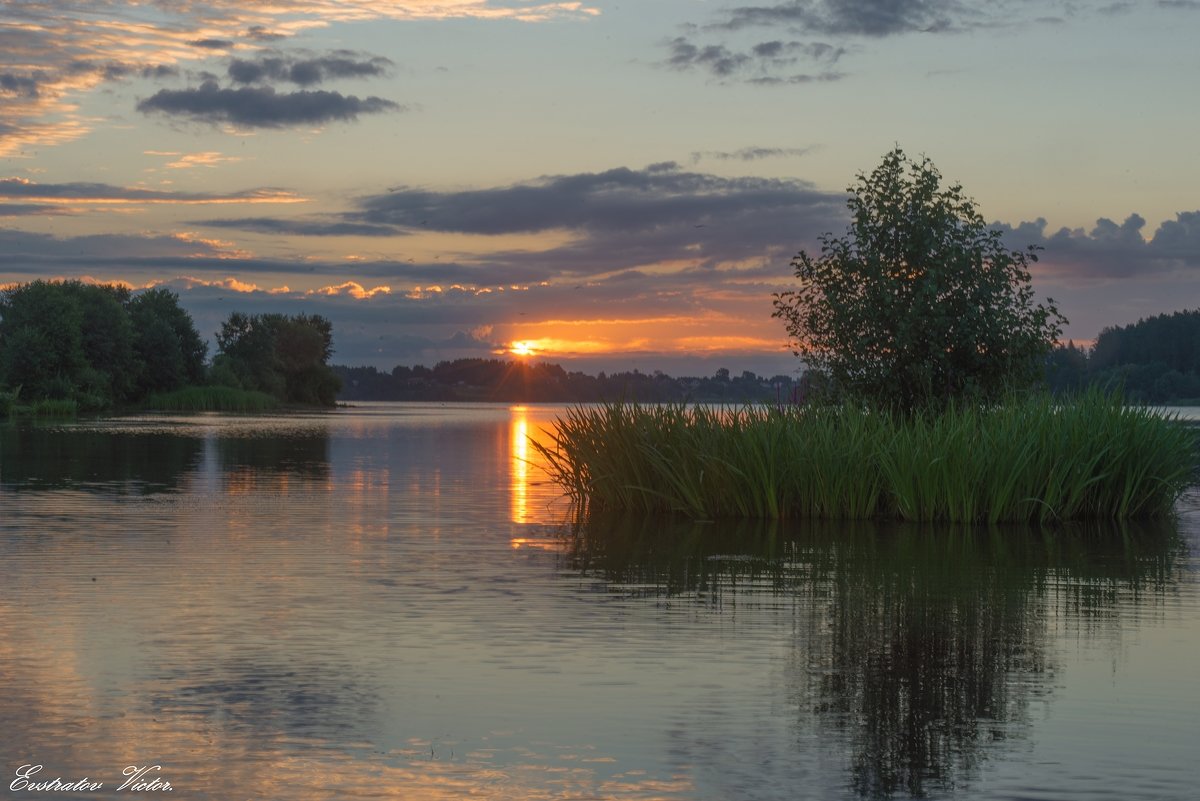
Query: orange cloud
point(209, 158)
point(230, 283)
point(351, 288)
point(220, 248)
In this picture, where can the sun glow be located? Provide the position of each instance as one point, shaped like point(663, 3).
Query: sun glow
point(522, 348)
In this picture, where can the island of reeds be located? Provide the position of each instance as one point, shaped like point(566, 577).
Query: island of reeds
point(1029, 460)
point(922, 336)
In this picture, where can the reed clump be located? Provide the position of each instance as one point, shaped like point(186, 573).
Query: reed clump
point(1029, 460)
point(211, 399)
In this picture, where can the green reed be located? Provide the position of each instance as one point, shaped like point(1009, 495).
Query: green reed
point(50, 407)
point(1026, 460)
point(211, 399)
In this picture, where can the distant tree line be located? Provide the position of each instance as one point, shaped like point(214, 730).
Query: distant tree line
point(518, 381)
point(103, 345)
point(1155, 360)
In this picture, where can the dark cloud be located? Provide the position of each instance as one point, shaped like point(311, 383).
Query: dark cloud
point(262, 107)
point(773, 62)
point(43, 254)
point(1113, 250)
point(751, 153)
point(303, 227)
point(624, 219)
point(801, 78)
point(620, 200)
point(20, 188)
point(19, 85)
point(260, 34)
point(778, 51)
point(211, 44)
point(716, 59)
point(870, 18)
point(307, 71)
point(30, 210)
point(760, 64)
point(160, 71)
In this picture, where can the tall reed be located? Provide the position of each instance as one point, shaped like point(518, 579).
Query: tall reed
point(211, 399)
point(1027, 460)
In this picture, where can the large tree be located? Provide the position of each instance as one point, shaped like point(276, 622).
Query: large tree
point(921, 302)
point(168, 346)
point(287, 357)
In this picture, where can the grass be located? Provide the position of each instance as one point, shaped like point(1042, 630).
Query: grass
point(1031, 460)
point(10, 406)
point(48, 407)
point(211, 399)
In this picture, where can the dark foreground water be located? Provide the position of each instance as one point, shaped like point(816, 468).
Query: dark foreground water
point(384, 602)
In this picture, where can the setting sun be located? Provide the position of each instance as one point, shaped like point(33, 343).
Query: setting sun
point(522, 348)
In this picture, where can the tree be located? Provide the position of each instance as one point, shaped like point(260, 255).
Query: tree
point(281, 355)
point(168, 346)
point(920, 303)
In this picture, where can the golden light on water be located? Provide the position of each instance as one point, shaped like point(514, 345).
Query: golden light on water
point(534, 498)
point(520, 464)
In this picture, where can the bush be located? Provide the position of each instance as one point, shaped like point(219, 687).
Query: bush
point(920, 303)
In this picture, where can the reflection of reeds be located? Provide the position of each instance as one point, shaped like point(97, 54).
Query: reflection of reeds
point(1029, 460)
point(921, 647)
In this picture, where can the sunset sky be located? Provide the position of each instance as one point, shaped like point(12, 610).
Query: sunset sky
point(614, 183)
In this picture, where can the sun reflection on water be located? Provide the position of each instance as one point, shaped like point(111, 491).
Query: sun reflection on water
point(520, 464)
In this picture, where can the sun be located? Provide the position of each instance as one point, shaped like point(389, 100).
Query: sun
point(522, 348)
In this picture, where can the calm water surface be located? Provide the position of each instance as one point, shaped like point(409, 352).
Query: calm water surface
point(389, 602)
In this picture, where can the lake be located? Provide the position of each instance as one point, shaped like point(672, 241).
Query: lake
point(391, 601)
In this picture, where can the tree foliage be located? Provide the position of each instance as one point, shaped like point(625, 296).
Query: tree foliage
point(170, 349)
point(1155, 360)
point(920, 303)
point(75, 341)
point(285, 356)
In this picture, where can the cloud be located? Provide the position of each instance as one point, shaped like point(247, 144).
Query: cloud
point(30, 210)
point(24, 86)
point(351, 288)
point(108, 194)
point(716, 59)
point(303, 227)
point(307, 71)
point(212, 44)
point(52, 52)
point(620, 200)
point(42, 255)
point(260, 33)
point(262, 107)
point(751, 153)
point(1112, 250)
point(849, 24)
point(186, 161)
point(870, 18)
point(760, 63)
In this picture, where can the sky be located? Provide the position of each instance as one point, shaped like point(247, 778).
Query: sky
point(613, 184)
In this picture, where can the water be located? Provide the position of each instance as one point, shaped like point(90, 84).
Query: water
point(391, 602)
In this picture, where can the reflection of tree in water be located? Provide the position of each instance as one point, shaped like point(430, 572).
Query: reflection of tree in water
point(37, 457)
point(302, 453)
point(921, 648)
